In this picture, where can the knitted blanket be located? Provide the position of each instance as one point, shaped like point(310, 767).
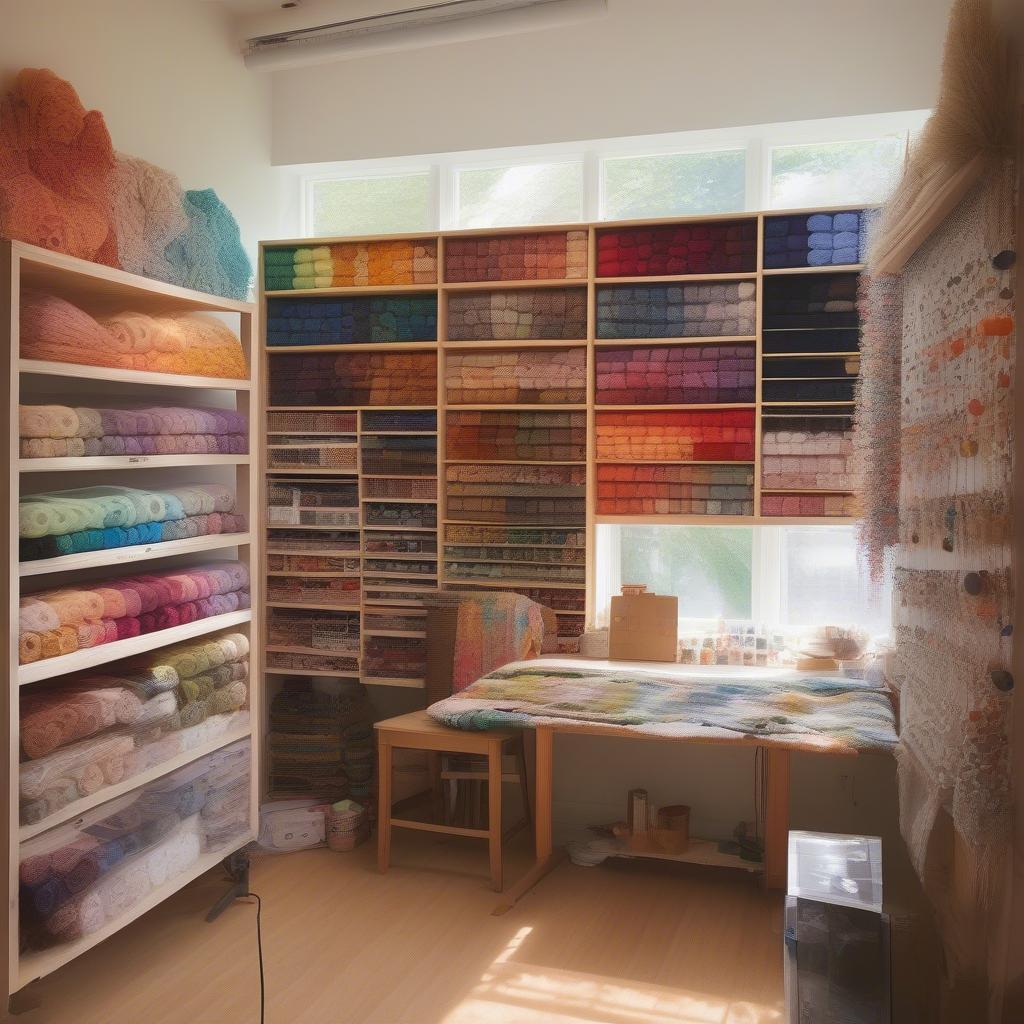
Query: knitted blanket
point(780, 708)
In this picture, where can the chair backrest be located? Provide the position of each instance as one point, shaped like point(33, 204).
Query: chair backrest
point(442, 627)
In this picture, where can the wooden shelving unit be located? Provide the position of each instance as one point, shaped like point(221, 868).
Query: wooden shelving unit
point(97, 290)
point(529, 574)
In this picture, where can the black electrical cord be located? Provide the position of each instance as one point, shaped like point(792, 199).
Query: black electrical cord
point(259, 948)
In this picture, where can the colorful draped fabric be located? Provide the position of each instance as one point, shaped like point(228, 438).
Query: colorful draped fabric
point(778, 707)
point(57, 622)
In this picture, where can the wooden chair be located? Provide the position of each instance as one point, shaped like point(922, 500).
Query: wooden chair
point(418, 731)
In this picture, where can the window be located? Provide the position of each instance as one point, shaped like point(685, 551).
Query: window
point(491, 197)
point(673, 185)
point(378, 205)
point(780, 576)
point(835, 172)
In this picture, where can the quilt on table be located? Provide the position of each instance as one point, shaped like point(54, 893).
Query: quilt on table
point(785, 708)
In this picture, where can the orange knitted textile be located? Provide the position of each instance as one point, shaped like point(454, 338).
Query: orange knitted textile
point(56, 169)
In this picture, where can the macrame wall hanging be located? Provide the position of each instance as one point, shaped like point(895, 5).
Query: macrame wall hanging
point(64, 188)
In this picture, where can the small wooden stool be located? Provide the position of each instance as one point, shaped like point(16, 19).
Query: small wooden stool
point(418, 731)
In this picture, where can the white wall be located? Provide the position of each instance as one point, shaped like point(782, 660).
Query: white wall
point(649, 66)
point(171, 85)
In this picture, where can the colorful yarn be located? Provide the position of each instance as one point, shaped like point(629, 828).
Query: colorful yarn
point(675, 490)
point(356, 320)
point(681, 375)
point(402, 421)
point(530, 377)
point(54, 329)
point(404, 456)
point(57, 176)
point(814, 240)
point(358, 378)
point(344, 264)
point(715, 436)
point(550, 255)
point(676, 311)
point(538, 313)
point(714, 248)
point(522, 436)
point(57, 622)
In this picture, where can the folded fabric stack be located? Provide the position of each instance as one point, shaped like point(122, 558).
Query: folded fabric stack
point(60, 431)
point(344, 264)
point(57, 622)
point(375, 488)
point(96, 730)
point(397, 420)
point(297, 662)
point(401, 543)
point(395, 657)
point(53, 329)
point(676, 311)
point(826, 505)
point(526, 436)
point(551, 556)
point(406, 456)
point(802, 300)
point(675, 490)
point(542, 313)
point(312, 564)
point(379, 513)
point(715, 248)
point(287, 422)
point(526, 493)
point(683, 375)
point(312, 503)
point(517, 535)
point(492, 571)
point(323, 631)
point(320, 736)
point(355, 320)
point(531, 377)
point(725, 435)
point(328, 542)
point(101, 518)
point(549, 256)
point(807, 442)
point(408, 567)
point(836, 390)
point(814, 240)
point(299, 590)
point(313, 451)
point(806, 472)
point(357, 378)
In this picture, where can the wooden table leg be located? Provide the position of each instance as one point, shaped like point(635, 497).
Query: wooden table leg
point(524, 782)
point(776, 820)
point(383, 803)
point(494, 767)
point(545, 859)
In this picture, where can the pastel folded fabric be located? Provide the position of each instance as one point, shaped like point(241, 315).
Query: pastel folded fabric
point(528, 377)
point(134, 605)
point(54, 329)
point(57, 717)
point(101, 518)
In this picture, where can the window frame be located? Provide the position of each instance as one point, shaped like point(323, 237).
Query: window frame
point(757, 140)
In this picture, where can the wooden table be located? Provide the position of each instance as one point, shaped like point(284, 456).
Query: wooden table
point(776, 825)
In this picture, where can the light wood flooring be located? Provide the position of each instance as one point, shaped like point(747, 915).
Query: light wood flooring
point(625, 943)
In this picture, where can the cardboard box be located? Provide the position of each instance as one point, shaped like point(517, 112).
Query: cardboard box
point(643, 628)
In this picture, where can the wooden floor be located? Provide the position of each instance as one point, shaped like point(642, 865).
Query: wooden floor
point(625, 943)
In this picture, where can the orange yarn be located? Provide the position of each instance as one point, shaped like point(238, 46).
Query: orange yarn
point(56, 169)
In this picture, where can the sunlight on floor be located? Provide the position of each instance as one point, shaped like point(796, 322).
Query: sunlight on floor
point(516, 993)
